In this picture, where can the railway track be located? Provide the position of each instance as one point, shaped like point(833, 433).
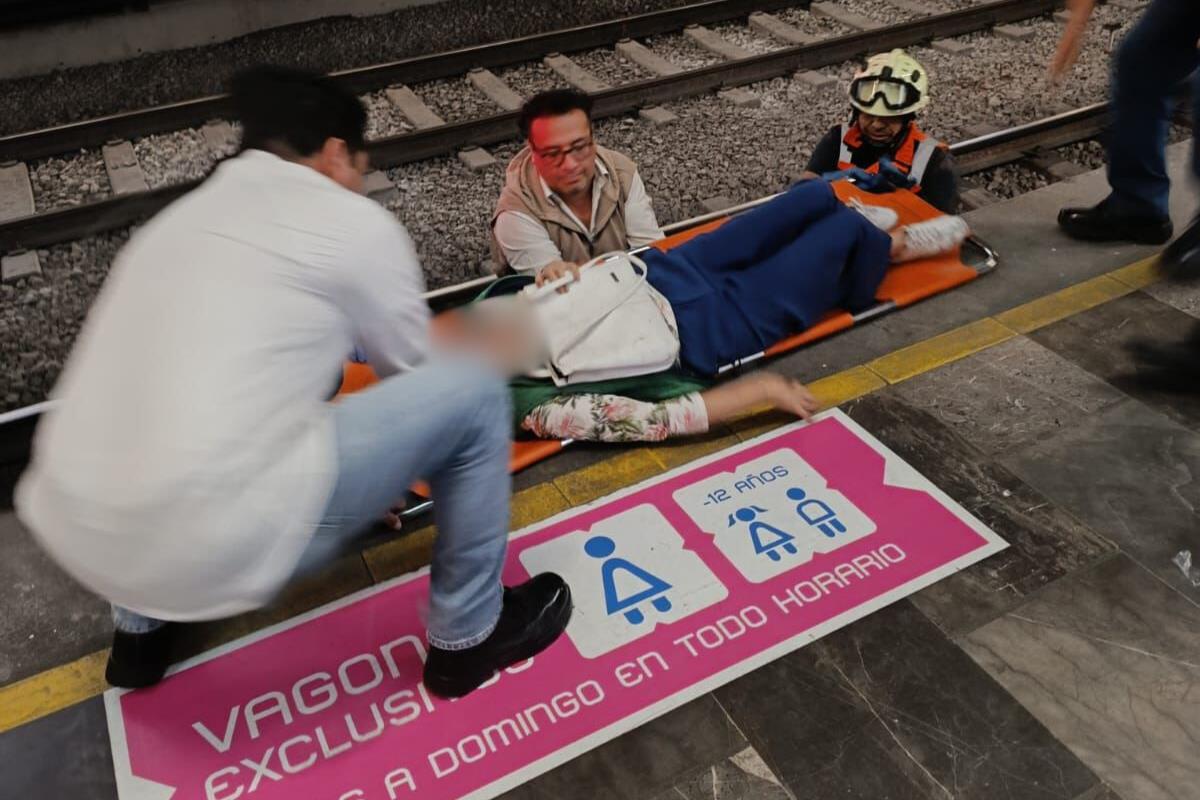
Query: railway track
point(74, 222)
point(973, 155)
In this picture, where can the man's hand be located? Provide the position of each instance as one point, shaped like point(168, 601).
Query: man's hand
point(1072, 39)
point(555, 270)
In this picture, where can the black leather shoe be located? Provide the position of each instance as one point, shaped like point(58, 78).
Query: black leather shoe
point(1181, 260)
point(138, 660)
point(1099, 224)
point(534, 614)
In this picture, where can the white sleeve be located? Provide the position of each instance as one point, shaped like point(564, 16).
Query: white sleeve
point(389, 315)
point(640, 223)
point(524, 241)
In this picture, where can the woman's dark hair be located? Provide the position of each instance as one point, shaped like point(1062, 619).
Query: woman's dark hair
point(553, 103)
point(294, 111)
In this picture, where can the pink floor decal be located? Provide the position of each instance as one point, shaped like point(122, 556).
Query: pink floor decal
point(681, 584)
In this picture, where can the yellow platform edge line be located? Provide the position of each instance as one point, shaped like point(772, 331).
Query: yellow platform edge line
point(936, 351)
point(53, 690)
point(59, 687)
point(1062, 304)
point(1139, 274)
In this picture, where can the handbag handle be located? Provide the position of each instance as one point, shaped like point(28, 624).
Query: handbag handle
point(558, 283)
point(585, 330)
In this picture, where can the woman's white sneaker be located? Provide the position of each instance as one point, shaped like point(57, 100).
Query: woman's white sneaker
point(883, 218)
point(932, 237)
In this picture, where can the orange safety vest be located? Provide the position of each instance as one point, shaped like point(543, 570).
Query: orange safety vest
point(911, 157)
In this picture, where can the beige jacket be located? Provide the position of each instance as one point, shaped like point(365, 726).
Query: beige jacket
point(523, 193)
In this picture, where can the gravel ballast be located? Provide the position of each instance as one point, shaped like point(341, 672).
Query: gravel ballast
point(682, 51)
point(610, 67)
point(383, 117)
point(746, 37)
point(40, 315)
point(69, 181)
point(811, 23)
point(713, 149)
point(878, 10)
point(529, 79)
point(455, 100)
point(174, 157)
point(326, 46)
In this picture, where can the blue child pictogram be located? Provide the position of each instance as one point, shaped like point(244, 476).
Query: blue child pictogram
point(816, 513)
point(775, 538)
point(655, 587)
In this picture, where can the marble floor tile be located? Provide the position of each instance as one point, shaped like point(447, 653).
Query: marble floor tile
point(1109, 660)
point(1100, 793)
point(1009, 395)
point(646, 762)
point(46, 618)
point(742, 776)
point(890, 709)
point(1182, 296)
point(65, 755)
point(1097, 340)
point(1045, 543)
point(1130, 474)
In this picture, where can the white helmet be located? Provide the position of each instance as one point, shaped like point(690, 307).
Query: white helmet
point(891, 85)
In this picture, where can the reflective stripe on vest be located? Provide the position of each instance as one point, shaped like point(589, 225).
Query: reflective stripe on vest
point(911, 157)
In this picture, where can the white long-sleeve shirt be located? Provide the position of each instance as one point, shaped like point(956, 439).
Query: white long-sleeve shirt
point(527, 246)
point(192, 450)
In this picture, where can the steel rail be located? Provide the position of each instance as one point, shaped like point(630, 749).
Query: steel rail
point(1012, 144)
point(59, 139)
point(971, 155)
point(17, 426)
point(39, 230)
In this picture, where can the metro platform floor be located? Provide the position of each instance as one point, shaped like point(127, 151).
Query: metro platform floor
point(1063, 667)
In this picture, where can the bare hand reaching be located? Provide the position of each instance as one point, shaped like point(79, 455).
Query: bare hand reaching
point(555, 270)
point(1072, 39)
point(789, 395)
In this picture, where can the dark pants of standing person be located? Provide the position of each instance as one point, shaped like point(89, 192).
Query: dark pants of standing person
point(1154, 59)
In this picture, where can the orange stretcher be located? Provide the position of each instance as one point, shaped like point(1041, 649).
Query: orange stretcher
point(903, 285)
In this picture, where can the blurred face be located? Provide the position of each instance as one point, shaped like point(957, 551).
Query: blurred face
point(879, 130)
point(563, 152)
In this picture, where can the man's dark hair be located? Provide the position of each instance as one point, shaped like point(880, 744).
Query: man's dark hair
point(291, 112)
point(553, 103)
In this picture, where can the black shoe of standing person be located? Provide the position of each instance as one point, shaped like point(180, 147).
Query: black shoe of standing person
point(138, 660)
point(1181, 260)
point(534, 614)
point(1101, 224)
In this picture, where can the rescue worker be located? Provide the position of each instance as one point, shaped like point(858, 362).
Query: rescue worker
point(1154, 58)
point(882, 138)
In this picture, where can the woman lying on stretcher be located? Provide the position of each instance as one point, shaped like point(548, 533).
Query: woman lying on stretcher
point(728, 294)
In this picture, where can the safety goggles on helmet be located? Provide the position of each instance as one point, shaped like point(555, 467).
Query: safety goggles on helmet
point(895, 94)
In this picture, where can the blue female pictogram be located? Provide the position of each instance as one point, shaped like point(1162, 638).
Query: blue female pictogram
point(602, 547)
point(775, 538)
point(816, 513)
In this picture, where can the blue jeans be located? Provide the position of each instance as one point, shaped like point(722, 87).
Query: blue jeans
point(767, 274)
point(1154, 58)
point(448, 422)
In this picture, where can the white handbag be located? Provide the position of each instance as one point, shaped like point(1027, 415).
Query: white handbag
point(610, 324)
